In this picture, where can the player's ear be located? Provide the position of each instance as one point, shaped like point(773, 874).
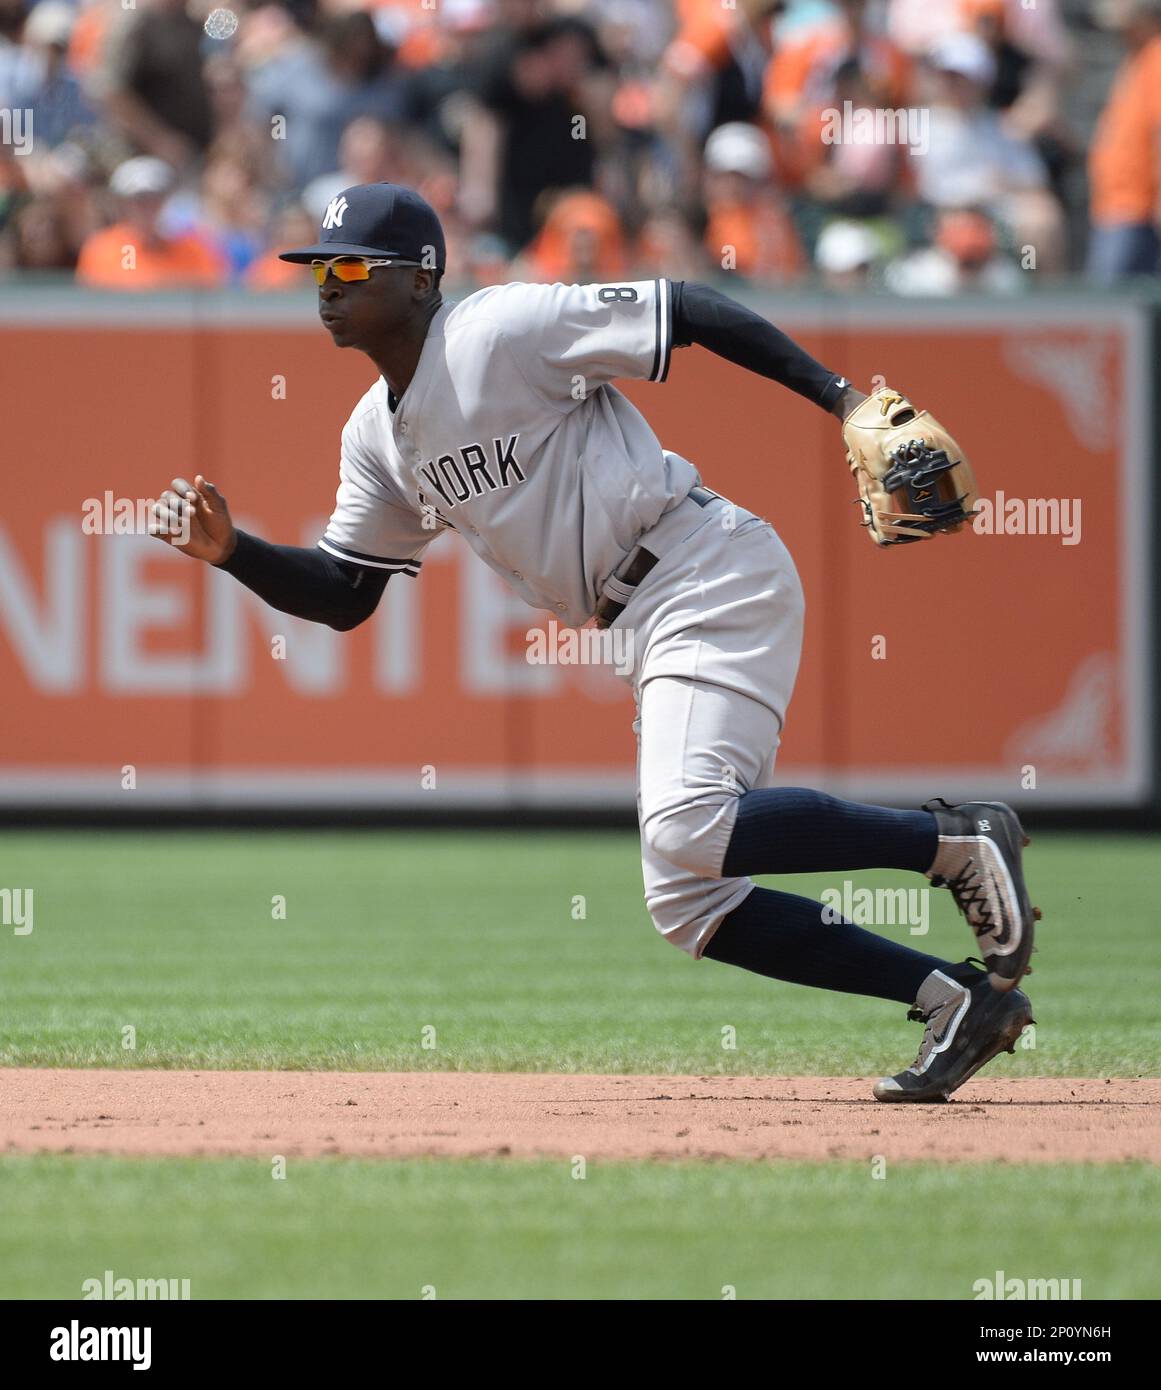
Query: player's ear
point(424, 283)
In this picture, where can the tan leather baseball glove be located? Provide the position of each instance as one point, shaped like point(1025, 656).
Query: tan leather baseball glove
point(913, 478)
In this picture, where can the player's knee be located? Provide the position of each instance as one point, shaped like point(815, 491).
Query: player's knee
point(681, 925)
point(693, 836)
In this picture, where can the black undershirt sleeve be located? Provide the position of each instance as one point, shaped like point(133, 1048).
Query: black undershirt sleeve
point(711, 319)
point(307, 582)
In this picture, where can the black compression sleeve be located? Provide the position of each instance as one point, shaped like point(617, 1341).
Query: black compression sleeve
point(306, 582)
point(705, 316)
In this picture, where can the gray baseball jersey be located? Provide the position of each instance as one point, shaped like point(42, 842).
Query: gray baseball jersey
point(511, 434)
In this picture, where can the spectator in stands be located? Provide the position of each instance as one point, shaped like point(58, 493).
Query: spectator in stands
point(1125, 159)
point(1034, 26)
point(1029, 81)
point(667, 245)
point(854, 177)
point(820, 65)
point(370, 151)
point(150, 83)
point(964, 257)
point(234, 208)
point(523, 137)
point(749, 230)
point(293, 226)
point(134, 253)
point(845, 255)
point(971, 161)
point(712, 75)
point(582, 242)
point(41, 238)
point(12, 15)
point(41, 80)
point(55, 194)
point(234, 124)
point(317, 91)
point(438, 59)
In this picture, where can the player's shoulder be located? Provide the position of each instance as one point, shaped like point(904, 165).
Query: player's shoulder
point(521, 307)
point(500, 308)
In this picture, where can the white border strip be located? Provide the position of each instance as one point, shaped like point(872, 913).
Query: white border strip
point(606, 789)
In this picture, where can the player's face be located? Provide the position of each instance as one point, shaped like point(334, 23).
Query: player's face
point(366, 314)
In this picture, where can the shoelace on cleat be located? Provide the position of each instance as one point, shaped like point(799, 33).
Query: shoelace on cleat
point(967, 888)
point(928, 1035)
point(916, 1015)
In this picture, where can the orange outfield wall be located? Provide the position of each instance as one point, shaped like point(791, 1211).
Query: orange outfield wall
point(1013, 664)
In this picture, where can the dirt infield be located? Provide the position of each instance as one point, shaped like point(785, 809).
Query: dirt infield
point(407, 1114)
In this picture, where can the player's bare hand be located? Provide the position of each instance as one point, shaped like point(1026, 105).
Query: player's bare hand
point(195, 520)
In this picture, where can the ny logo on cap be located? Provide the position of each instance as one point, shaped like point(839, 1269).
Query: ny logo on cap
point(334, 213)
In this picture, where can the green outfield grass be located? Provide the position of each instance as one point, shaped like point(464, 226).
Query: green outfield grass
point(387, 932)
point(494, 1229)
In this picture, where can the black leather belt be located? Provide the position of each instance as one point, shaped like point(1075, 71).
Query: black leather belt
point(637, 566)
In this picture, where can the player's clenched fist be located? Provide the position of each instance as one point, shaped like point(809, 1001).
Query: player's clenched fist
point(195, 520)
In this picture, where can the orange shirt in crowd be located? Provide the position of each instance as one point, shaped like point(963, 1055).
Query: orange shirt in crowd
point(93, 22)
point(801, 74)
point(791, 76)
point(758, 238)
point(702, 42)
point(582, 235)
point(1122, 164)
point(178, 261)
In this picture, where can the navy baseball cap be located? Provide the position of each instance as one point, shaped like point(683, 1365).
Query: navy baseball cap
point(377, 220)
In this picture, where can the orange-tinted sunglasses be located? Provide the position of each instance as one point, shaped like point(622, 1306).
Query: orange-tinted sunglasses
point(348, 269)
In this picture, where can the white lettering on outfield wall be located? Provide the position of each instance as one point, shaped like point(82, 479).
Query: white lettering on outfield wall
point(118, 614)
point(43, 617)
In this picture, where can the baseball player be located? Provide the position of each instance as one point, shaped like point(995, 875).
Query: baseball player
point(496, 417)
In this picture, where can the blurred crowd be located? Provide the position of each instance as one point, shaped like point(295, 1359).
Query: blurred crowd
point(920, 145)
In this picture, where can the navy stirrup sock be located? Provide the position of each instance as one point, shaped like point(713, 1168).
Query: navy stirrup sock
point(787, 938)
point(792, 830)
